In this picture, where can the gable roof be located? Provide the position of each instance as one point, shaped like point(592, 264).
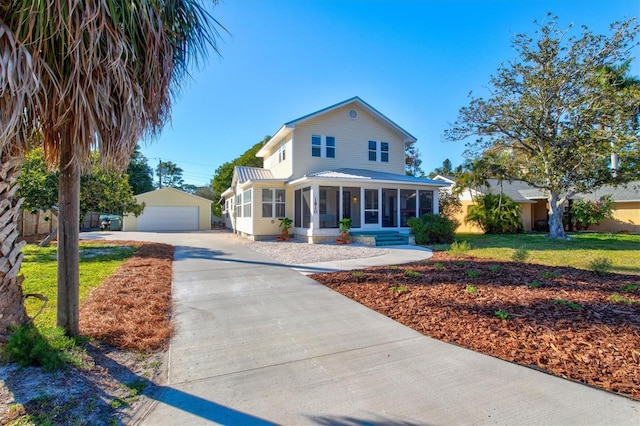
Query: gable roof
point(170, 189)
point(288, 127)
point(370, 175)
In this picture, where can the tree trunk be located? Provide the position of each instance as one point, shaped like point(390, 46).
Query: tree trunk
point(12, 310)
point(68, 239)
point(556, 229)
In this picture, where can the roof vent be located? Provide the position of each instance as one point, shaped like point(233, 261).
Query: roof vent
point(353, 114)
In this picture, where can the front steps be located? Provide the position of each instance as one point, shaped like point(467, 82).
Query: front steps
point(381, 238)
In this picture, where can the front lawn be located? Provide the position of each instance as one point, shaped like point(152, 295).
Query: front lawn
point(39, 267)
point(579, 251)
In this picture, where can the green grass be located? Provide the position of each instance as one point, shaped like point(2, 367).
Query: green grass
point(579, 251)
point(39, 267)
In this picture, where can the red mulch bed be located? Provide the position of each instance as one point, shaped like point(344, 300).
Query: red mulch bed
point(132, 308)
point(569, 322)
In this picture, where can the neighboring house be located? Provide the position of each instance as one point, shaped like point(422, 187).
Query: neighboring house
point(169, 209)
point(533, 204)
point(344, 161)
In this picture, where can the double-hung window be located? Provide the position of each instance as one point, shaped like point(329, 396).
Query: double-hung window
point(239, 205)
point(384, 152)
point(373, 151)
point(379, 151)
point(246, 203)
point(323, 146)
point(273, 202)
point(316, 146)
point(282, 154)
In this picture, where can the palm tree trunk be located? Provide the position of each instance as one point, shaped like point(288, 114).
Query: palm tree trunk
point(12, 310)
point(68, 238)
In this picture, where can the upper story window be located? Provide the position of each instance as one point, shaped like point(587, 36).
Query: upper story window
point(373, 151)
point(384, 152)
point(379, 151)
point(330, 147)
point(323, 146)
point(282, 154)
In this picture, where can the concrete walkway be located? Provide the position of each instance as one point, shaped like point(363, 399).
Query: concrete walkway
point(260, 343)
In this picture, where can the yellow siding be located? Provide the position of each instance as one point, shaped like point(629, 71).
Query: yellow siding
point(526, 217)
point(171, 197)
point(269, 225)
point(626, 218)
point(352, 138)
point(280, 169)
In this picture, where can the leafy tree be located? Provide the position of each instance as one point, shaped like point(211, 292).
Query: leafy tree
point(107, 191)
point(224, 174)
point(495, 214)
point(449, 205)
point(445, 170)
point(586, 212)
point(104, 191)
point(98, 74)
point(139, 172)
point(169, 175)
point(551, 115)
point(412, 161)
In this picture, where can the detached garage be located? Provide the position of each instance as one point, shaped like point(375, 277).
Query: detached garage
point(169, 209)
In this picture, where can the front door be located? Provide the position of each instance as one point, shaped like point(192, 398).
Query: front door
point(372, 208)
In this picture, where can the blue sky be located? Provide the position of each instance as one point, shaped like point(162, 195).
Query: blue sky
point(414, 61)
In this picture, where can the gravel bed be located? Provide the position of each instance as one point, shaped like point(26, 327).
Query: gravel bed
point(295, 252)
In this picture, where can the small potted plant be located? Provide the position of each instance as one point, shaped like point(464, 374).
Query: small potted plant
point(285, 225)
point(345, 226)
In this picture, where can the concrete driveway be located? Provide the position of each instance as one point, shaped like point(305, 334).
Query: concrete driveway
point(261, 343)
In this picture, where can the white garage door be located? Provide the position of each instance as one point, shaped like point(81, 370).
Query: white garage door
point(168, 219)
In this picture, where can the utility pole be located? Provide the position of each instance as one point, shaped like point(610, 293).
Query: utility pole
point(159, 173)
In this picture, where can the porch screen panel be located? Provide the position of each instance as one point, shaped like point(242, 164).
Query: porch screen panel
point(329, 206)
point(306, 207)
point(407, 205)
point(351, 206)
point(297, 207)
point(389, 208)
point(371, 212)
point(426, 202)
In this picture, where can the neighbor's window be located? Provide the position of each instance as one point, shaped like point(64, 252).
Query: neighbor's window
point(239, 205)
point(246, 203)
point(273, 202)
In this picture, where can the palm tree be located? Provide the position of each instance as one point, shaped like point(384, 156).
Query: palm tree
point(87, 75)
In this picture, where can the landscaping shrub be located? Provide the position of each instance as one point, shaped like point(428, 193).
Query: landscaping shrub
point(586, 212)
point(49, 349)
point(600, 265)
point(495, 214)
point(432, 229)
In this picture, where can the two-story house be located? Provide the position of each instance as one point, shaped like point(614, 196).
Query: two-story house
point(343, 161)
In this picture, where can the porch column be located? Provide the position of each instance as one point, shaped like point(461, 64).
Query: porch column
point(436, 194)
